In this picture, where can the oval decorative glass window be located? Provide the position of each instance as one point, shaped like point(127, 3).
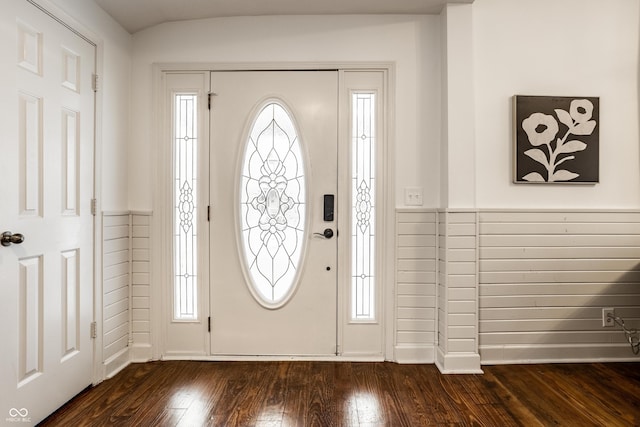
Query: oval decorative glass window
point(272, 205)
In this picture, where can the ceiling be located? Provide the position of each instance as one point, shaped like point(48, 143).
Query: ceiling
point(136, 15)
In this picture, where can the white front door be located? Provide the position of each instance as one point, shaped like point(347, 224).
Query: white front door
point(46, 285)
point(273, 184)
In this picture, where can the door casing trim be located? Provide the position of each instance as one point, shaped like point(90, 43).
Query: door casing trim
point(161, 219)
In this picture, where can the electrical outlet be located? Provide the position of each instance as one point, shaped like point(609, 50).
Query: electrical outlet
point(606, 320)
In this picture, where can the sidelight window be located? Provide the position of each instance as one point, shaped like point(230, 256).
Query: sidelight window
point(185, 125)
point(363, 202)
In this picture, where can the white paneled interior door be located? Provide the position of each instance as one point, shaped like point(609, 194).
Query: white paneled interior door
point(47, 143)
point(273, 161)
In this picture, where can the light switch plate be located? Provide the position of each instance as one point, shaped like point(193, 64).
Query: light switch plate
point(413, 196)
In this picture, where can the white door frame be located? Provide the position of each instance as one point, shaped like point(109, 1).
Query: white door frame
point(161, 260)
point(83, 31)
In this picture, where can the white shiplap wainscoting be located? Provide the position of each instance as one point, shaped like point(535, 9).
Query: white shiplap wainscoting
point(116, 274)
point(545, 277)
point(472, 287)
point(140, 287)
point(125, 264)
point(415, 285)
point(457, 350)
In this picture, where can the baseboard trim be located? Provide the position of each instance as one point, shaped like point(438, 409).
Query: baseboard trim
point(409, 354)
point(458, 363)
point(531, 354)
point(141, 353)
point(116, 363)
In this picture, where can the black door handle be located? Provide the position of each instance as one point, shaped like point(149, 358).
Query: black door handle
point(327, 233)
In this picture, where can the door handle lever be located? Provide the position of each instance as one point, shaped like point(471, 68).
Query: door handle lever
point(327, 233)
point(8, 238)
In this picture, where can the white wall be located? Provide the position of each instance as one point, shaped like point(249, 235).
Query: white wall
point(545, 275)
point(412, 42)
point(113, 100)
point(458, 171)
point(551, 47)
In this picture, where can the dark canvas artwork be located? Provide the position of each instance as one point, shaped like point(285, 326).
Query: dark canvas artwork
point(556, 139)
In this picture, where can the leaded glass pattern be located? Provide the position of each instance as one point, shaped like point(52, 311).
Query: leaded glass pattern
point(363, 190)
point(272, 204)
point(185, 207)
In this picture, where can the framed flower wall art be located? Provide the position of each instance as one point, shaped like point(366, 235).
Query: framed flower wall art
point(556, 139)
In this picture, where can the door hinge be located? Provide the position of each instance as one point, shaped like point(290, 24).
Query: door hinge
point(209, 213)
point(209, 324)
point(94, 82)
point(94, 330)
point(94, 206)
point(209, 95)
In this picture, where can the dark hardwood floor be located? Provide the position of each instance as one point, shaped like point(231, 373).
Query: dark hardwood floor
point(357, 394)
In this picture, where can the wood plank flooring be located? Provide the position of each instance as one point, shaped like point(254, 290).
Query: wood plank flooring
point(309, 394)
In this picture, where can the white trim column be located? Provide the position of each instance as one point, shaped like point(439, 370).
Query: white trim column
point(457, 314)
point(457, 349)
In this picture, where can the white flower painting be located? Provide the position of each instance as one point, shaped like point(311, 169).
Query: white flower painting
point(556, 139)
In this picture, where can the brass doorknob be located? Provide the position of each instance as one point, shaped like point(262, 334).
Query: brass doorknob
point(8, 238)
